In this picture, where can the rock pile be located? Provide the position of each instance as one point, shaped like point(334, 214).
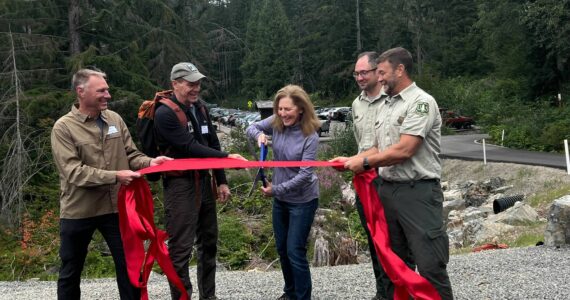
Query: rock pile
point(468, 211)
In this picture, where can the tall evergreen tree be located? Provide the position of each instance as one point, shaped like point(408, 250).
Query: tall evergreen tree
point(268, 65)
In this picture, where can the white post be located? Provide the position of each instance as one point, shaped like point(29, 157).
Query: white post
point(502, 137)
point(567, 157)
point(484, 153)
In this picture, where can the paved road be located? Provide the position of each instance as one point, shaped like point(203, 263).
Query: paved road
point(469, 147)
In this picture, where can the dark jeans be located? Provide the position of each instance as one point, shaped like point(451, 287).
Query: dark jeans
point(75, 236)
point(414, 216)
point(190, 218)
point(291, 224)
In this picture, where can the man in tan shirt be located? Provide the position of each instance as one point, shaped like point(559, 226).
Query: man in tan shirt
point(364, 113)
point(94, 154)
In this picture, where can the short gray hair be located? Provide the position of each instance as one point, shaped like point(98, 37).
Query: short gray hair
point(81, 77)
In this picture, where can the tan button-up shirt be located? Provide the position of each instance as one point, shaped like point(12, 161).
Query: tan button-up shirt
point(364, 114)
point(413, 112)
point(88, 157)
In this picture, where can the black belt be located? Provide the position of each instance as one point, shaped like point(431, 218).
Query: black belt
point(410, 183)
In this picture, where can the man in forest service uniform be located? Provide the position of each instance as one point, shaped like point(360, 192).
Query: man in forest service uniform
point(408, 133)
point(364, 113)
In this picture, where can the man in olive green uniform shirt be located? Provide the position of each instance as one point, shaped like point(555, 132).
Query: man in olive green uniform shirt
point(408, 144)
point(364, 113)
point(94, 154)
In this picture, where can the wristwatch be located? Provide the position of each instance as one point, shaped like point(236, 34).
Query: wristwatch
point(365, 164)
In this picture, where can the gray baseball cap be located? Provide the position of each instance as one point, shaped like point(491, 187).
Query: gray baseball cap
point(186, 71)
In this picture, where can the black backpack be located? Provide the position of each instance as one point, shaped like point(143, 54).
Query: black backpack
point(145, 125)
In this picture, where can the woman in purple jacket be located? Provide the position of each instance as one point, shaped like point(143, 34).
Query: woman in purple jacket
point(295, 191)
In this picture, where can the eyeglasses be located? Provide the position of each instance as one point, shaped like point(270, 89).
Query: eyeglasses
point(363, 73)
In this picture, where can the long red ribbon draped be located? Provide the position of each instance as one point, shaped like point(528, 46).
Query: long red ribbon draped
point(137, 225)
point(136, 221)
point(406, 281)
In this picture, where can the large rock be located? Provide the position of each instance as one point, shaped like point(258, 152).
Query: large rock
point(518, 214)
point(489, 231)
point(557, 231)
point(348, 194)
point(452, 195)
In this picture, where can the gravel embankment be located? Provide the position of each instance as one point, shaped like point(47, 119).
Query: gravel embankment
point(523, 273)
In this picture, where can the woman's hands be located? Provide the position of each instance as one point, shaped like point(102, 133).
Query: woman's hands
point(261, 139)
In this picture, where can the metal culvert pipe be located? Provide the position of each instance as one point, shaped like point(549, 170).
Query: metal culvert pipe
point(502, 204)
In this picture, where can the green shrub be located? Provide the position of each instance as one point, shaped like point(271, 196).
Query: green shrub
point(329, 186)
point(234, 241)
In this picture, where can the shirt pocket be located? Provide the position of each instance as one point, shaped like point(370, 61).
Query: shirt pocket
point(89, 151)
point(398, 120)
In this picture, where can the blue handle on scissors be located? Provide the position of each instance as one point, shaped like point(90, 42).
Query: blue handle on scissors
point(262, 157)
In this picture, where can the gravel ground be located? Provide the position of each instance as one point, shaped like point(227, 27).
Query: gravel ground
point(522, 273)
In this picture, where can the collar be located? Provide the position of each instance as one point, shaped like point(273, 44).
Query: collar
point(364, 97)
point(83, 118)
point(196, 104)
point(405, 94)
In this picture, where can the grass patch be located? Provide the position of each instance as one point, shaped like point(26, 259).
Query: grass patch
point(549, 195)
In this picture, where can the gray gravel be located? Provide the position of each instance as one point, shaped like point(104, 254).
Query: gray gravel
point(523, 273)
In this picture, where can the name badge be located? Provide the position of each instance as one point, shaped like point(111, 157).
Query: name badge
point(112, 129)
point(205, 129)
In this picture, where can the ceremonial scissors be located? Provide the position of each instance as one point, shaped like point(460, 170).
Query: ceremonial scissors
point(260, 176)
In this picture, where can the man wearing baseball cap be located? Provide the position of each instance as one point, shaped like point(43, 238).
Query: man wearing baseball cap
point(190, 196)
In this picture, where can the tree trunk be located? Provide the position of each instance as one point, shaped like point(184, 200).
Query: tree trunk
point(358, 38)
point(73, 18)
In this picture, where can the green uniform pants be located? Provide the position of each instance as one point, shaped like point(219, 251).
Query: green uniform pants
point(414, 216)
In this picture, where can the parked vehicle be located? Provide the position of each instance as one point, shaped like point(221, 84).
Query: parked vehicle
point(325, 126)
point(339, 113)
point(323, 112)
point(455, 120)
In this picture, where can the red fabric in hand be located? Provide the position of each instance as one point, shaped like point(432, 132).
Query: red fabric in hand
point(136, 221)
point(406, 281)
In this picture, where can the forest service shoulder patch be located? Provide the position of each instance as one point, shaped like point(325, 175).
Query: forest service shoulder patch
point(422, 108)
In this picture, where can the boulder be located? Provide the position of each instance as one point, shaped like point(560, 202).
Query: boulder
point(448, 206)
point(452, 195)
point(348, 194)
point(557, 231)
point(489, 230)
point(518, 214)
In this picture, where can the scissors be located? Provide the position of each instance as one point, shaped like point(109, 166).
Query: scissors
point(260, 176)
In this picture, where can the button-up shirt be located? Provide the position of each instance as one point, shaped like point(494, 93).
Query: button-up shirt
point(88, 158)
point(413, 112)
point(364, 114)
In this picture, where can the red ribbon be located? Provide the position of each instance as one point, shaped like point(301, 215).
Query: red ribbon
point(136, 221)
point(406, 281)
point(231, 163)
point(137, 225)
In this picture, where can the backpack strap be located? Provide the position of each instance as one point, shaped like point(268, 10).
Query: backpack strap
point(179, 113)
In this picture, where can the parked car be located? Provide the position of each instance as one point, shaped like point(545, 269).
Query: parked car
point(322, 112)
point(455, 120)
point(325, 126)
point(338, 113)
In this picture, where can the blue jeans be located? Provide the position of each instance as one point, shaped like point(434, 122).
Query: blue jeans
point(291, 224)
